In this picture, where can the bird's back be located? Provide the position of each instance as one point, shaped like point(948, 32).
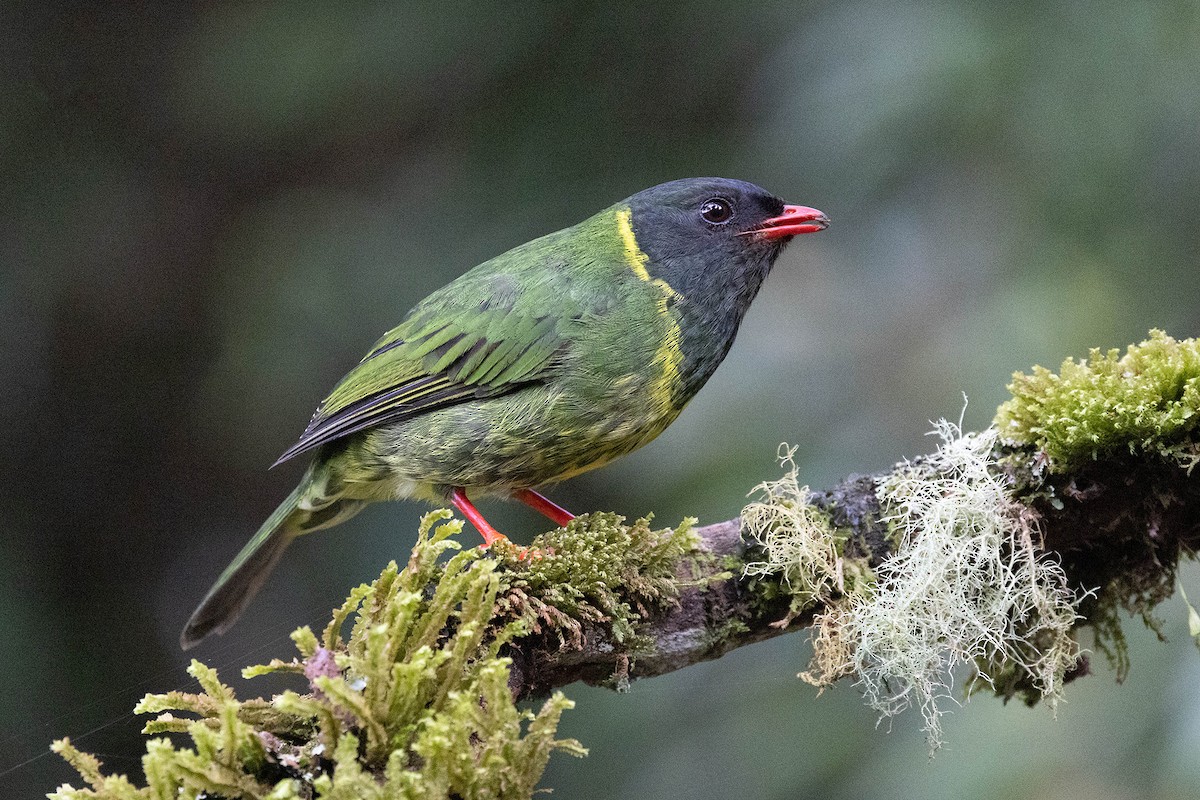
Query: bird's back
point(564, 356)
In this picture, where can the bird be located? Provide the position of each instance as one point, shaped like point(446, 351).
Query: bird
point(547, 361)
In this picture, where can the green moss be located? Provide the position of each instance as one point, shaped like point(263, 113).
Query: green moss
point(597, 569)
point(413, 701)
point(1147, 401)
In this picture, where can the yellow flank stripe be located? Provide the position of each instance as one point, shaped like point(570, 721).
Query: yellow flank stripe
point(669, 354)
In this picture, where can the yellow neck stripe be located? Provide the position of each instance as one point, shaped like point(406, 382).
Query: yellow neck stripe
point(635, 258)
point(669, 355)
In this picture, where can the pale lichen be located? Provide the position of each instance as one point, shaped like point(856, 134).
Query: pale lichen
point(797, 543)
point(968, 584)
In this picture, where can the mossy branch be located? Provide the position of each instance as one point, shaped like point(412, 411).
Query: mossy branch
point(1117, 528)
point(995, 551)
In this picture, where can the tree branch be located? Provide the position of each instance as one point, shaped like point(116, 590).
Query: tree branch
point(1117, 525)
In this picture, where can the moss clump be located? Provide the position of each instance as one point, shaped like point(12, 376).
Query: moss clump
point(1112, 432)
point(596, 569)
point(1147, 401)
point(414, 701)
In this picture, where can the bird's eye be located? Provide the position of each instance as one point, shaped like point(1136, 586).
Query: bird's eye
point(716, 210)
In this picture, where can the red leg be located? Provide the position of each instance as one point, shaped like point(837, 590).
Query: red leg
point(458, 499)
point(539, 503)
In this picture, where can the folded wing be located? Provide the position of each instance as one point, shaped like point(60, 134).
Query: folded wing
point(427, 363)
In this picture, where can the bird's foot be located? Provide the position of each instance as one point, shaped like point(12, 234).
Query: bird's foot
point(459, 499)
point(532, 553)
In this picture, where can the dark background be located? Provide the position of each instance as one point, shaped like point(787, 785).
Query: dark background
point(209, 212)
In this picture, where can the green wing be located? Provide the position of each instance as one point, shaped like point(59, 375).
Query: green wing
point(429, 362)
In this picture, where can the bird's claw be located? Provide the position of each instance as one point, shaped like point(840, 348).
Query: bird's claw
point(533, 553)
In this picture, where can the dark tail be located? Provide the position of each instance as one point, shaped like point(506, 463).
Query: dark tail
point(242, 579)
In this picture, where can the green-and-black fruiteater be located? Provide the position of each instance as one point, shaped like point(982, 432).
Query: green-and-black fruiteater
point(547, 361)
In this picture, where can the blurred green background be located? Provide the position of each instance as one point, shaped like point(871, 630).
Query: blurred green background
point(209, 212)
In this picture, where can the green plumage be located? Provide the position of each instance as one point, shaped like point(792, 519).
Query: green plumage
point(551, 359)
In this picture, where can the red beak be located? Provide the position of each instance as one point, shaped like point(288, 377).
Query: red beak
point(794, 220)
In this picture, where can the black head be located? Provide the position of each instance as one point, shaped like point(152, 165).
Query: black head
point(713, 240)
point(715, 235)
